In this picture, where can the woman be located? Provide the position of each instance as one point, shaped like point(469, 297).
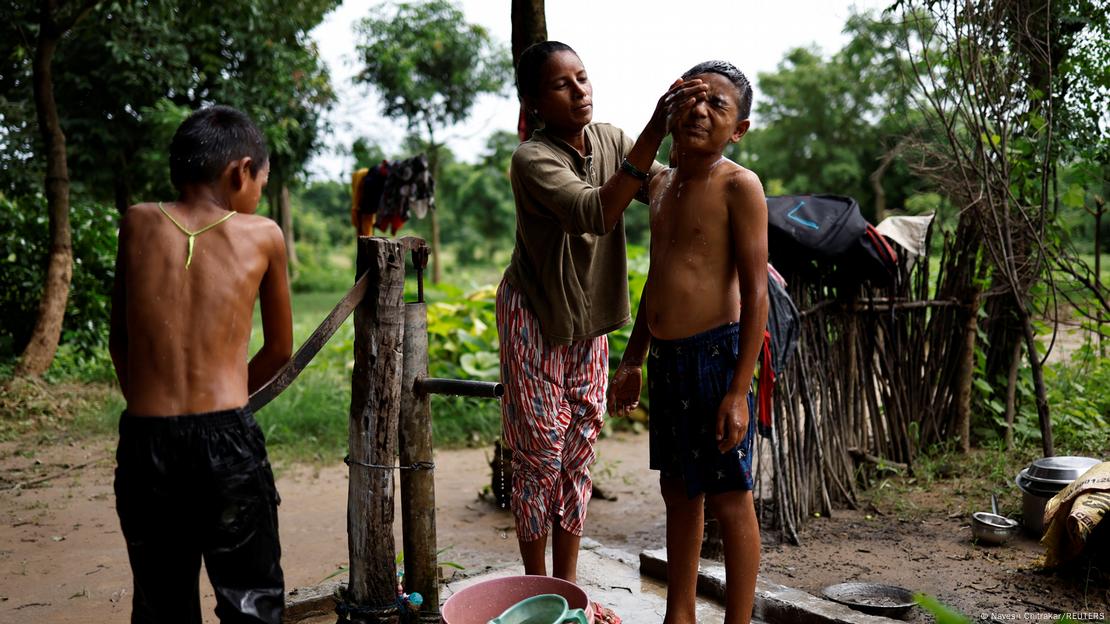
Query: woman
point(566, 287)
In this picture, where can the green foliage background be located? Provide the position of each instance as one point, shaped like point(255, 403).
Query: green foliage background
point(823, 121)
point(24, 246)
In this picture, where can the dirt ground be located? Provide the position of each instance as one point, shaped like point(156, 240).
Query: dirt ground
point(62, 558)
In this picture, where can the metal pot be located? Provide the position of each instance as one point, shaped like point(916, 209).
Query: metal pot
point(1043, 479)
point(1033, 501)
point(1059, 470)
point(1032, 513)
point(1034, 486)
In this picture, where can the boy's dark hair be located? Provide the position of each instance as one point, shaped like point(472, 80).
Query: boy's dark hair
point(728, 70)
point(530, 65)
point(209, 139)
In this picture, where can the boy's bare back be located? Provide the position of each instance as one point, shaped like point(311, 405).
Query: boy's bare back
point(702, 223)
point(193, 481)
point(187, 330)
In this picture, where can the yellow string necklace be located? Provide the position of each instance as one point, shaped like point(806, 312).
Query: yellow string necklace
point(193, 235)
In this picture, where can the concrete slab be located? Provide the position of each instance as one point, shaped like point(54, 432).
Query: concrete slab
point(634, 587)
point(773, 602)
point(609, 576)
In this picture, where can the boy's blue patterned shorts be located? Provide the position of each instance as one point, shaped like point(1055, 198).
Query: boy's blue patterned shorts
point(687, 379)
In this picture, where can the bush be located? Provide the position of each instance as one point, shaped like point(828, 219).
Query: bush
point(1079, 405)
point(24, 249)
point(323, 265)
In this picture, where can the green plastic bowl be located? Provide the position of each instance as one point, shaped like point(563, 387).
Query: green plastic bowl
point(542, 609)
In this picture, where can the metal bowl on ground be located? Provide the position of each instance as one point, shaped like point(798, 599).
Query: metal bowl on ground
point(988, 528)
point(874, 598)
point(1059, 470)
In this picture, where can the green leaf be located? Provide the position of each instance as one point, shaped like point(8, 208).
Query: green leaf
point(1074, 197)
point(942, 613)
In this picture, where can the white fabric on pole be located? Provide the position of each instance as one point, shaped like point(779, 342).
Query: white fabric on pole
point(908, 232)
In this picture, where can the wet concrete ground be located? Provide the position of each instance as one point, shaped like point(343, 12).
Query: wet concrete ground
point(608, 576)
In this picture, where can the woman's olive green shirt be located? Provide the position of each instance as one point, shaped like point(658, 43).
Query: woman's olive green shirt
point(572, 272)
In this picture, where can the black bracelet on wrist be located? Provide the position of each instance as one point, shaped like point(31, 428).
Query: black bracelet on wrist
point(631, 170)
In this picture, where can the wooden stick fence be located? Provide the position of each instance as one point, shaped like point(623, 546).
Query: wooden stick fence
point(875, 379)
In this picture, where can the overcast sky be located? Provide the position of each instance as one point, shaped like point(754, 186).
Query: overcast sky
point(632, 49)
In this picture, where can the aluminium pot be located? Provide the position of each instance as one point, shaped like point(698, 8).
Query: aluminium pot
point(1043, 479)
point(1032, 513)
point(1034, 497)
point(1059, 470)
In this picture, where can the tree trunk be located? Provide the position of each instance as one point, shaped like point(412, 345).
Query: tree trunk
point(1038, 385)
point(960, 282)
point(877, 180)
point(121, 186)
point(1100, 207)
point(529, 25)
point(1011, 394)
point(281, 213)
point(39, 353)
point(287, 224)
point(433, 166)
point(435, 248)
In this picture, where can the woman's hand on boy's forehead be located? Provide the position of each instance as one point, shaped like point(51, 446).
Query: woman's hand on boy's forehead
point(681, 95)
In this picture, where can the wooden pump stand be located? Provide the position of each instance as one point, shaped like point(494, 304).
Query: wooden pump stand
point(389, 404)
point(375, 407)
point(418, 496)
point(391, 417)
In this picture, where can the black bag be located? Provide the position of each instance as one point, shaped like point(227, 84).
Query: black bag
point(783, 321)
point(827, 235)
point(821, 225)
point(874, 259)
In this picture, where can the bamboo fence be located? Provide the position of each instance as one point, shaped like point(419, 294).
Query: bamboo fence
point(875, 379)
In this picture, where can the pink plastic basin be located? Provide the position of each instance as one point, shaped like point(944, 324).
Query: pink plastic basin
point(481, 602)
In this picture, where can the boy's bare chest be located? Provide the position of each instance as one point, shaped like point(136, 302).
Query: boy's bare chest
point(691, 215)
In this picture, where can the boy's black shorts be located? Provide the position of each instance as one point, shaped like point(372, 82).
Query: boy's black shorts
point(687, 379)
point(198, 486)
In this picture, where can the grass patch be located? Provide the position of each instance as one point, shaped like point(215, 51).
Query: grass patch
point(309, 420)
point(52, 412)
point(459, 421)
point(945, 480)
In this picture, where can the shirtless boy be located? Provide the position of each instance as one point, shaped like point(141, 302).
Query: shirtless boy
point(193, 480)
point(708, 254)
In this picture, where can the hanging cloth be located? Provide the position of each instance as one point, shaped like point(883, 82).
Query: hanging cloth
point(408, 190)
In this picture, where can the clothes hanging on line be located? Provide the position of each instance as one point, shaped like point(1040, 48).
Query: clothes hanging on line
point(409, 191)
point(391, 193)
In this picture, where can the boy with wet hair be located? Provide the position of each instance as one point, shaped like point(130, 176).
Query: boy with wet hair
point(192, 480)
point(708, 256)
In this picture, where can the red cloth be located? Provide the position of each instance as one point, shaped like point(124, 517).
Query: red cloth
point(766, 385)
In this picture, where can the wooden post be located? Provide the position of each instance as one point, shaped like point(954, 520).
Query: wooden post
point(375, 403)
point(418, 498)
